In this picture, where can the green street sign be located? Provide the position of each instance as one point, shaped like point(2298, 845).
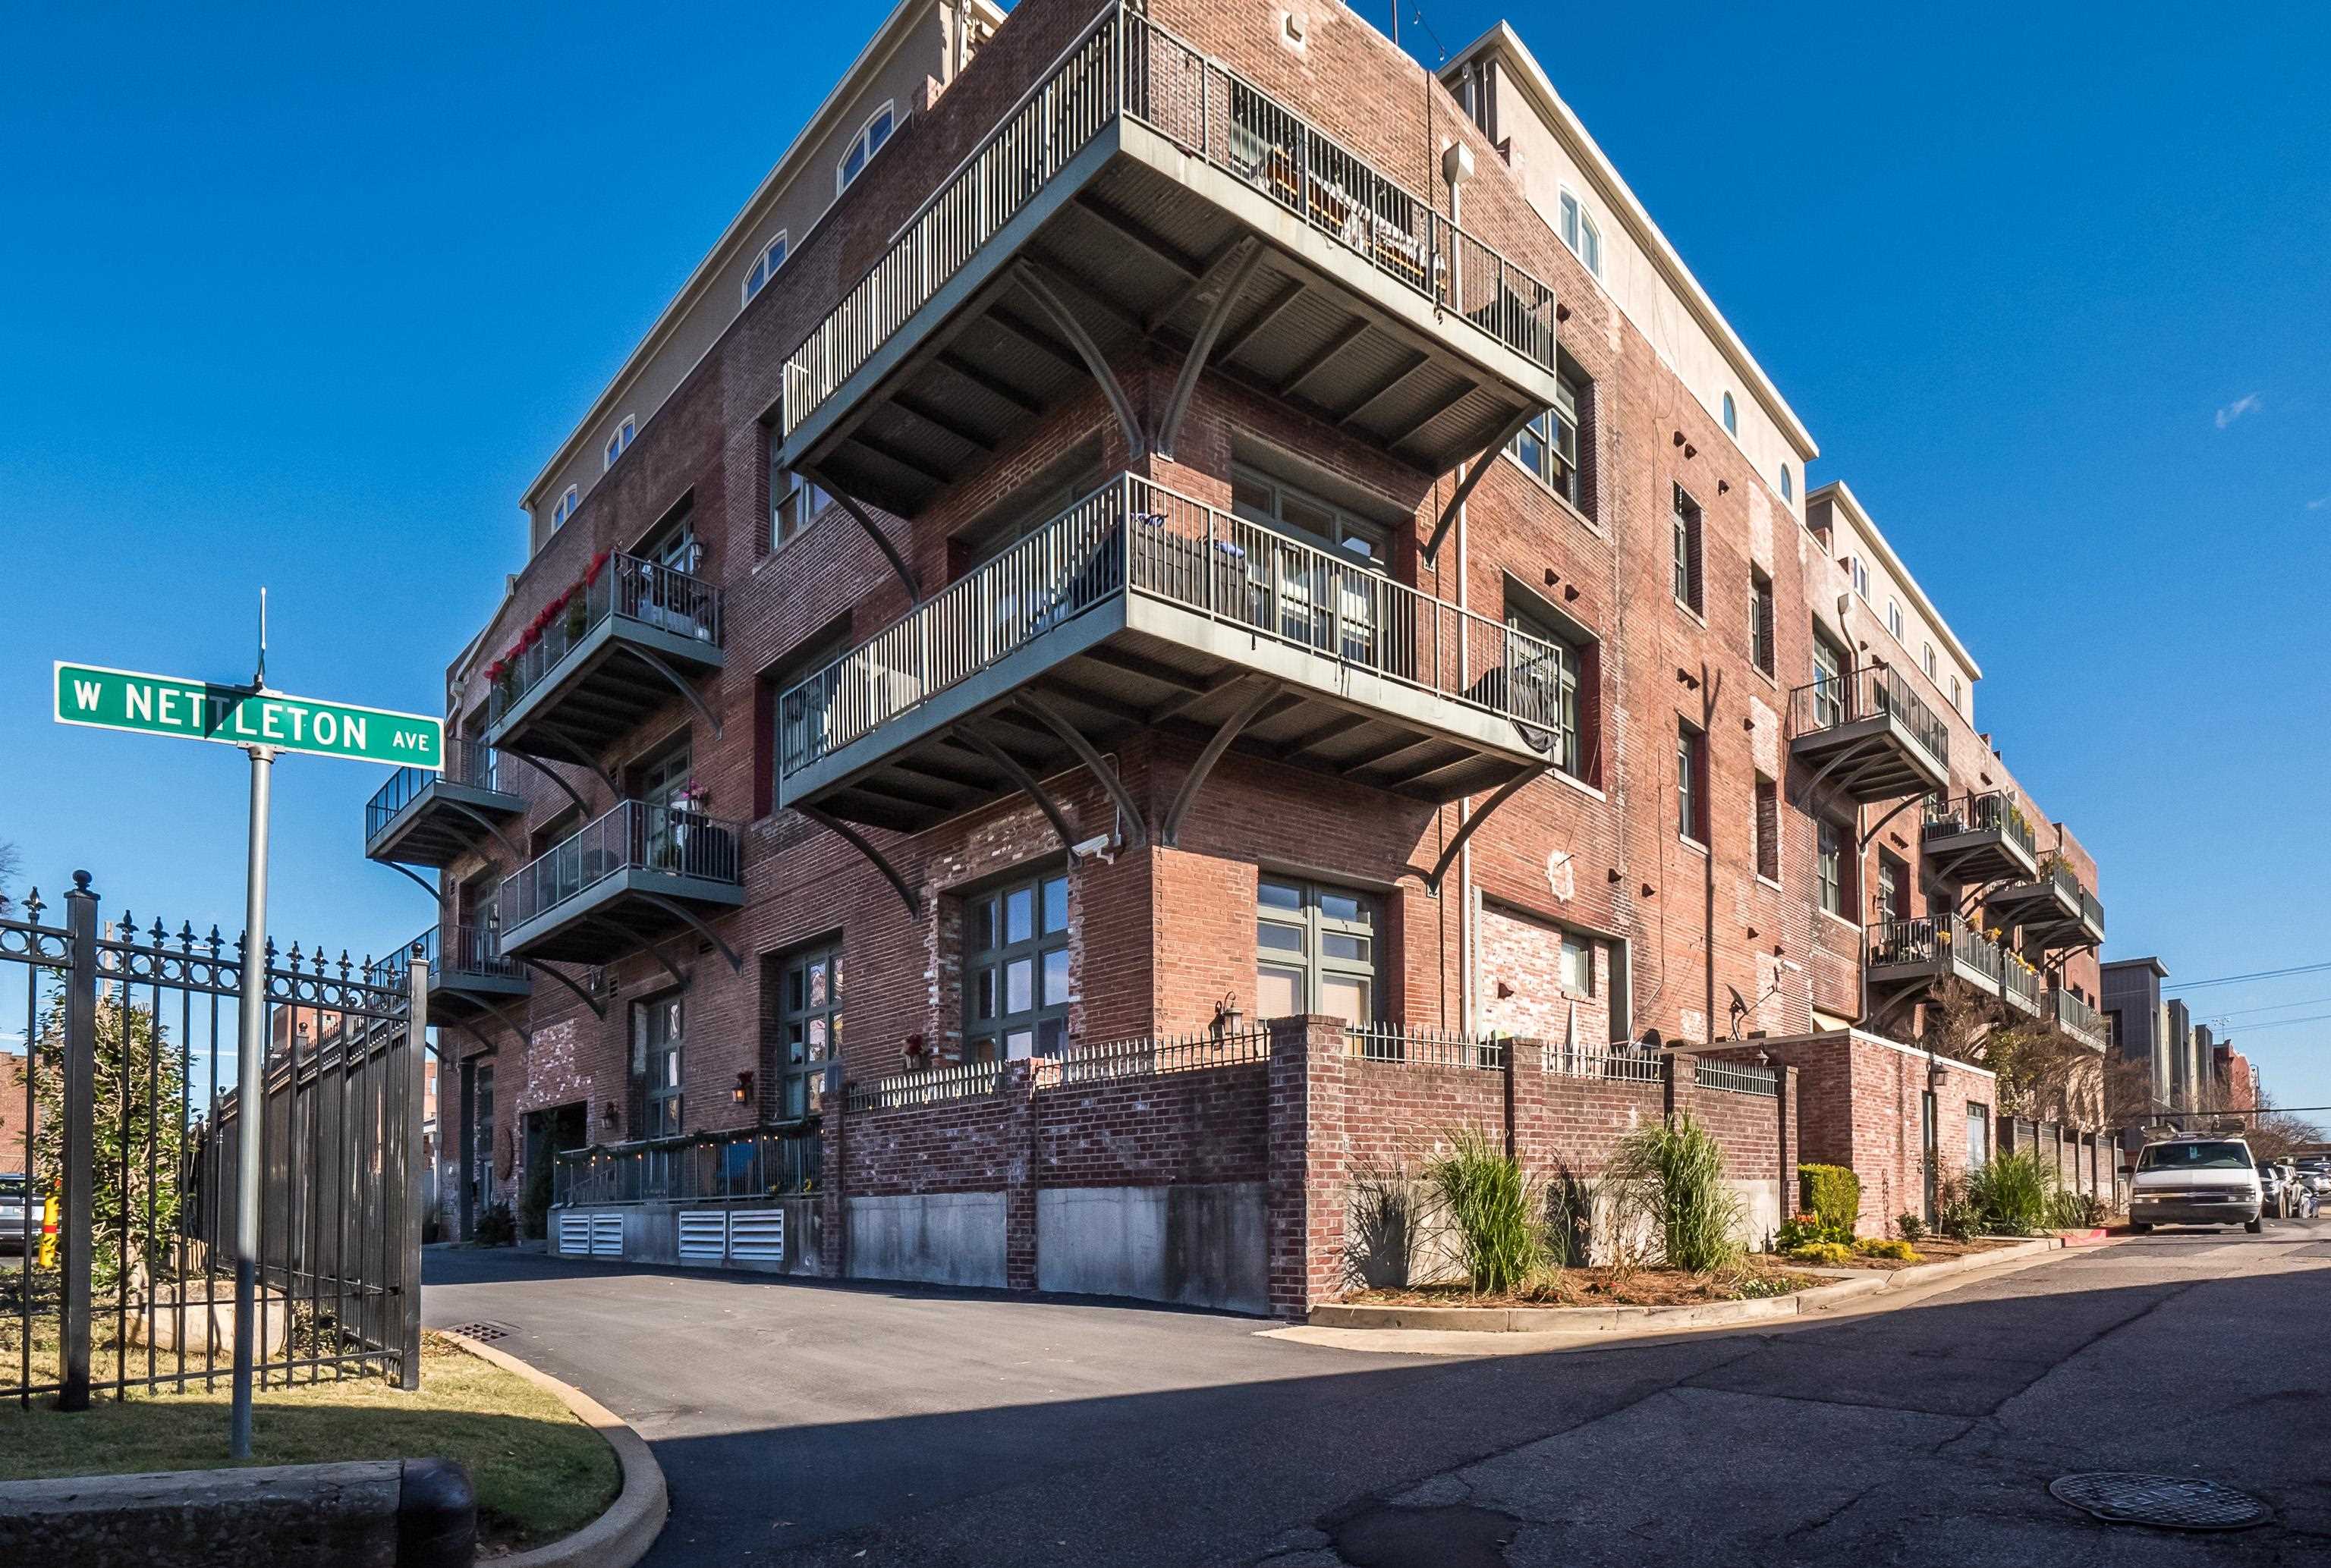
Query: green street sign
point(239, 715)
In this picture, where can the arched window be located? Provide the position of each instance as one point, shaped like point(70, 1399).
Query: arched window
point(1788, 485)
point(765, 266)
point(864, 145)
point(1731, 415)
point(565, 508)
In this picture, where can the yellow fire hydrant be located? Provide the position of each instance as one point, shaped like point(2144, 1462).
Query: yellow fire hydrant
point(48, 1259)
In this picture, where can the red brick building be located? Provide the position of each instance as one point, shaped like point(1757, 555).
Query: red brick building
point(12, 1153)
point(1159, 516)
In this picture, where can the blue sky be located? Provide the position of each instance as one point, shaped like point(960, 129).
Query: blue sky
point(298, 299)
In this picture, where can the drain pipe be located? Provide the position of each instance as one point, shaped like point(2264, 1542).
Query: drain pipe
point(1456, 168)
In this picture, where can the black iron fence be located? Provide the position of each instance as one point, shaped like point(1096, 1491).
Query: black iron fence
point(751, 1162)
point(130, 1235)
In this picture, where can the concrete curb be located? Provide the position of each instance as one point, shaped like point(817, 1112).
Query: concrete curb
point(622, 1535)
point(1850, 1285)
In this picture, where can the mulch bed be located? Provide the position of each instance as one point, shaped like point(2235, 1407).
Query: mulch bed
point(1609, 1288)
point(1931, 1251)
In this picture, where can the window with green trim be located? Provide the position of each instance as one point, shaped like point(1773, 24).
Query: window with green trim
point(809, 1028)
point(1015, 970)
point(1316, 951)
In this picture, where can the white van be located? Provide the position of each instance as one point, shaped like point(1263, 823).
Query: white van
point(2196, 1180)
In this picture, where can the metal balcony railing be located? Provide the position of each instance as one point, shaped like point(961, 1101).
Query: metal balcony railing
point(1990, 810)
point(1739, 1077)
point(2076, 1017)
point(467, 762)
point(625, 587)
point(1133, 536)
point(635, 836)
point(2018, 979)
point(1933, 941)
point(754, 1162)
point(1126, 65)
point(1870, 692)
point(2092, 909)
point(475, 950)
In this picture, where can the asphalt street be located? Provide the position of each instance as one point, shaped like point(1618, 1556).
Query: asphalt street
point(801, 1422)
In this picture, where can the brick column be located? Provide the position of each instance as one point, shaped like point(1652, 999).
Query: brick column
point(1525, 1102)
point(1307, 1163)
point(1018, 1088)
point(1679, 1081)
point(1788, 1135)
point(832, 1238)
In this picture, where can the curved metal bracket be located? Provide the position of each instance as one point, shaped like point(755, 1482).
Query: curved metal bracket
point(542, 767)
point(1473, 820)
point(1264, 691)
point(1136, 830)
point(486, 823)
point(656, 662)
point(1034, 283)
point(859, 842)
point(647, 945)
point(598, 1007)
point(849, 503)
point(525, 1035)
point(1871, 837)
point(466, 1027)
point(436, 894)
point(580, 758)
point(1225, 283)
point(682, 913)
point(1018, 775)
point(1481, 465)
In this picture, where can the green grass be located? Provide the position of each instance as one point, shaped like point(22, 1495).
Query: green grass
point(539, 1473)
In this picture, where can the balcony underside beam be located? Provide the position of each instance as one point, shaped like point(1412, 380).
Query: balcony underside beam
point(1473, 820)
point(598, 1008)
point(1264, 692)
point(1480, 466)
point(696, 923)
point(1034, 284)
point(864, 846)
point(1136, 830)
point(881, 540)
point(538, 766)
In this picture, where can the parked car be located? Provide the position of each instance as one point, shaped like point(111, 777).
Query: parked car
point(2315, 1176)
point(16, 1221)
point(2279, 1186)
point(2196, 1181)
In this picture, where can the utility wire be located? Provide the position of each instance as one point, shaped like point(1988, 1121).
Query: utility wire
point(2260, 974)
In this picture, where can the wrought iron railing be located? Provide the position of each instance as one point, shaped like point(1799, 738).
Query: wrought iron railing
point(1149, 1057)
point(1133, 536)
point(475, 951)
point(1936, 941)
point(2018, 981)
point(1621, 1063)
point(634, 836)
point(1737, 1077)
point(2092, 910)
point(1990, 811)
point(2076, 1017)
point(1415, 1045)
point(1870, 692)
point(625, 588)
point(750, 1163)
point(467, 762)
point(1126, 65)
point(924, 1087)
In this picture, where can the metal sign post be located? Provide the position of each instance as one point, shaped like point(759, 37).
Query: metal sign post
point(262, 722)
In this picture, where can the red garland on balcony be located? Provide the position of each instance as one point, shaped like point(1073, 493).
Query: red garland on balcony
point(544, 617)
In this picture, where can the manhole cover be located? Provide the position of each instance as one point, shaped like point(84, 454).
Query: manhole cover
point(483, 1332)
point(2171, 1502)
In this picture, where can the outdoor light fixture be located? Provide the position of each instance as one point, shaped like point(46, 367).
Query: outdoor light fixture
point(744, 1089)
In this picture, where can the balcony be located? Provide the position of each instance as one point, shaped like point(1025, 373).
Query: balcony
point(467, 975)
point(1980, 838)
point(2051, 910)
point(635, 876)
point(421, 818)
point(1913, 957)
point(1139, 194)
point(1868, 736)
point(627, 640)
point(2077, 1018)
point(2019, 984)
point(1138, 608)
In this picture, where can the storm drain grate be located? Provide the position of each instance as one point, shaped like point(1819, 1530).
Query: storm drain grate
point(2171, 1502)
point(483, 1332)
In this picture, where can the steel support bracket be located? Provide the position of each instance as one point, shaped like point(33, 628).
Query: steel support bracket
point(1169, 832)
point(682, 913)
point(1034, 283)
point(864, 846)
point(1136, 830)
point(1018, 775)
point(1481, 465)
point(1473, 820)
point(598, 1008)
point(656, 662)
point(486, 823)
point(1221, 287)
point(849, 503)
point(542, 767)
point(436, 894)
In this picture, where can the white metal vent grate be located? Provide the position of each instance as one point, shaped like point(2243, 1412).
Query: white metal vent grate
point(703, 1235)
point(758, 1235)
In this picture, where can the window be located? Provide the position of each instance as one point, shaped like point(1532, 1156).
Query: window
point(1760, 620)
point(1543, 671)
point(618, 443)
point(481, 1135)
point(1548, 445)
point(1861, 573)
point(1788, 485)
point(1259, 499)
point(1927, 658)
point(1978, 1136)
point(1577, 974)
point(1829, 865)
point(863, 147)
point(1579, 233)
point(765, 266)
point(1015, 970)
point(795, 502)
point(1829, 682)
point(1731, 415)
point(1957, 694)
point(1319, 603)
point(656, 1043)
point(809, 1025)
point(1315, 952)
point(1768, 829)
point(565, 508)
point(674, 546)
point(1894, 618)
point(1687, 550)
point(1893, 888)
point(1691, 783)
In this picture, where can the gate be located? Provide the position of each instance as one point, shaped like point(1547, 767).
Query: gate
point(131, 1143)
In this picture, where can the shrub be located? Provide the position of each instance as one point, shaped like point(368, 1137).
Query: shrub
point(494, 1227)
point(1955, 1215)
point(2009, 1193)
point(1877, 1247)
point(1383, 1226)
point(1799, 1228)
point(1573, 1202)
point(1913, 1228)
point(2071, 1211)
point(1492, 1209)
point(1832, 1193)
point(1833, 1254)
point(1679, 1171)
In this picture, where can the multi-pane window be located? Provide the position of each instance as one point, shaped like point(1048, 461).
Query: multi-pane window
point(809, 1028)
point(481, 1135)
point(1687, 526)
point(1768, 830)
point(656, 1042)
point(1548, 445)
point(1543, 673)
point(1579, 233)
point(1788, 485)
point(1315, 952)
point(1978, 1134)
point(1829, 683)
point(1927, 658)
point(1577, 964)
point(1893, 889)
point(1760, 620)
point(1894, 618)
point(1829, 865)
point(1321, 602)
point(765, 266)
point(1691, 783)
point(795, 502)
point(565, 508)
point(1015, 970)
point(864, 145)
point(619, 443)
point(1957, 694)
point(1859, 570)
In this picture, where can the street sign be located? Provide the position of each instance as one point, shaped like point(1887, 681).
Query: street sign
point(105, 698)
